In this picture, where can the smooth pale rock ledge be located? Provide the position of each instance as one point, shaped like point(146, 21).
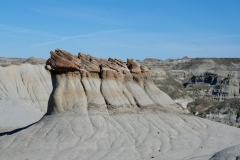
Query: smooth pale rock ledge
point(108, 109)
point(24, 95)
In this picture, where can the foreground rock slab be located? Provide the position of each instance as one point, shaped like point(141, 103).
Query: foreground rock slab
point(87, 134)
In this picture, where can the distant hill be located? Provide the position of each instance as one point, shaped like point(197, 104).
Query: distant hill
point(17, 61)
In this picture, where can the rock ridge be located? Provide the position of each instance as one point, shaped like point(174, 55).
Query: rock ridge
point(112, 85)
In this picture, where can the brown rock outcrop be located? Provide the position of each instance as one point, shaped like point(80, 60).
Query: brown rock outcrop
point(133, 66)
point(62, 61)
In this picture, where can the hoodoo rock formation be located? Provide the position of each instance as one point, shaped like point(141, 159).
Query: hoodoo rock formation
point(110, 84)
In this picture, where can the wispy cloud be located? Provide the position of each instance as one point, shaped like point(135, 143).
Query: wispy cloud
point(83, 13)
point(9, 30)
point(77, 37)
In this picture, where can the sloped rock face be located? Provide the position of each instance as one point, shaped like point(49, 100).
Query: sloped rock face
point(207, 78)
point(24, 95)
point(111, 84)
point(228, 88)
point(28, 83)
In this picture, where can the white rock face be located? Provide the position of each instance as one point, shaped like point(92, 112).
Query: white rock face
point(88, 89)
point(92, 88)
point(138, 93)
point(157, 96)
point(116, 93)
point(24, 94)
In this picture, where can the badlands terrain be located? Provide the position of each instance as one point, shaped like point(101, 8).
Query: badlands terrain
point(82, 107)
point(208, 87)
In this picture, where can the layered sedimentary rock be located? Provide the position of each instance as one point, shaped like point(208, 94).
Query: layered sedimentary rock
point(106, 84)
point(217, 88)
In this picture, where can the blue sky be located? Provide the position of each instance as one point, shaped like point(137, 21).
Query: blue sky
point(121, 29)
